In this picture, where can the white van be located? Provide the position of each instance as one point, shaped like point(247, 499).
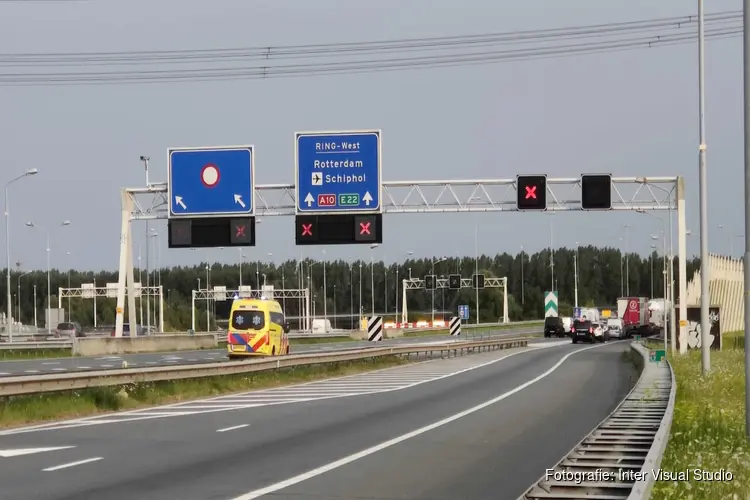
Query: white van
point(614, 327)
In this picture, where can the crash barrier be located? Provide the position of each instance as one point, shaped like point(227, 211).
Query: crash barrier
point(146, 343)
point(616, 460)
point(11, 386)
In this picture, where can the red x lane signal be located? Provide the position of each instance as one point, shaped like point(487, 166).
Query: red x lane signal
point(364, 227)
point(307, 229)
point(531, 192)
point(240, 232)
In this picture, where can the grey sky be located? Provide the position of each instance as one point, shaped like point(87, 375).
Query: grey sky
point(631, 113)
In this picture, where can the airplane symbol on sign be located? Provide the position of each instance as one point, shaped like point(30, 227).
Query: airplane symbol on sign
point(306, 229)
point(364, 227)
point(240, 231)
point(317, 179)
point(530, 192)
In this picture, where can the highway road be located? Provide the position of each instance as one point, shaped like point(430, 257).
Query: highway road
point(44, 366)
point(477, 427)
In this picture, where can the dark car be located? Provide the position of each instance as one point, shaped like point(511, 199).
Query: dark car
point(553, 327)
point(582, 331)
point(140, 332)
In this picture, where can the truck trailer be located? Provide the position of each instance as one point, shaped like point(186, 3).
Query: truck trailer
point(635, 316)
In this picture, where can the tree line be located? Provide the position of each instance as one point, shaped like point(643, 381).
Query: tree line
point(604, 274)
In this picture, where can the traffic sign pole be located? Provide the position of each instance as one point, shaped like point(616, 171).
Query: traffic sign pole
point(338, 172)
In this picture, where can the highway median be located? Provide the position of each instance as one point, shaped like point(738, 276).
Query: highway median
point(707, 433)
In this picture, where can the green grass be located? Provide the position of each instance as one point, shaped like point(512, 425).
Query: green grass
point(470, 329)
point(19, 410)
point(708, 428)
point(19, 354)
point(320, 340)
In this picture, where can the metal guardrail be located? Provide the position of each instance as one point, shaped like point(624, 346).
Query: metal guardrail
point(13, 386)
point(57, 343)
point(615, 461)
point(45, 344)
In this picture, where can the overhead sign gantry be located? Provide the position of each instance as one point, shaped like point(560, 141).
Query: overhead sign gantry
point(338, 187)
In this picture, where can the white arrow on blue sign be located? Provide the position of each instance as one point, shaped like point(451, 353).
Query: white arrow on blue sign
point(338, 172)
point(206, 182)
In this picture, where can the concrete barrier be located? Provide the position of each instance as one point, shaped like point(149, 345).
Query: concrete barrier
point(151, 343)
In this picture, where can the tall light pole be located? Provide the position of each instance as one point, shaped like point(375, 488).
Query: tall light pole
point(70, 268)
point(552, 251)
point(49, 269)
point(627, 262)
point(9, 305)
point(703, 197)
point(435, 261)
point(476, 267)
point(325, 295)
point(372, 277)
point(523, 295)
point(746, 267)
point(576, 273)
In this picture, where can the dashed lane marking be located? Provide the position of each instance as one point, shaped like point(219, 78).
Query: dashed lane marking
point(386, 380)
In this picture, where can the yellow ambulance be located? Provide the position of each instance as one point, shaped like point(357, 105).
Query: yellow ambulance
point(257, 327)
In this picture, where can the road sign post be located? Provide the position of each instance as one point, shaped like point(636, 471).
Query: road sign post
point(550, 304)
point(338, 172)
point(209, 182)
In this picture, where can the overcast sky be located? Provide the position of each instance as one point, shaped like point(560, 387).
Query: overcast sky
point(628, 113)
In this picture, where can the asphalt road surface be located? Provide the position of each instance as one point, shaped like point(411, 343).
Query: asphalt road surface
point(44, 366)
point(479, 427)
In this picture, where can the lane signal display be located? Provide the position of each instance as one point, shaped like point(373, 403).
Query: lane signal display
point(531, 192)
point(454, 281)
point(338, 229)
point(430, 282)
point(596, 191)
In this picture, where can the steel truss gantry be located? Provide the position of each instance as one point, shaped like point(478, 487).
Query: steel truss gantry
point(443, 283)
point(437, 196)
point(221, 293)
point(91, 291)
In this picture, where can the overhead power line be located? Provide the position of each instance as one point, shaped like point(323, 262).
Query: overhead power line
point(453, 51)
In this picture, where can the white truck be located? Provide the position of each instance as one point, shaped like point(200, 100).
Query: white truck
point(658, 310)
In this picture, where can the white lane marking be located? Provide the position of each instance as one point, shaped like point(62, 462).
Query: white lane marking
point(387, 444)
point(72, 464)
point(233, 428)
point(30, 451)
point(84, 367)
point(31, 371)
point(415, 371)
point(52, 363)
point(4, 373)
point(59, 369)
point(192, 360)
point(106, 366)
point(108, 358)
point(151, 362)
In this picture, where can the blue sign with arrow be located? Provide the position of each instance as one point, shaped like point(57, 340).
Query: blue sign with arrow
point(338, 172)
point(206, 182)
point(463, 312)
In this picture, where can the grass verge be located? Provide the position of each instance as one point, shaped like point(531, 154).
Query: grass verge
point(708, 428)
point(34, 408)
point(469, 329)
point(13, 355)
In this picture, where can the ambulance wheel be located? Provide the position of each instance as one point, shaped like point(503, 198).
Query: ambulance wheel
point(273, 351)
point(575, 340)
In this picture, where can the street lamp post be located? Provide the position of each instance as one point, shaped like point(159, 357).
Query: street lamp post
point(9, 305)
point(49, 269)
point(372, 277)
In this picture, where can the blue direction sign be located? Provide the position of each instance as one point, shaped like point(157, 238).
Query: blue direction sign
point(463, 312)
point(205, 182)
point(338, 172)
